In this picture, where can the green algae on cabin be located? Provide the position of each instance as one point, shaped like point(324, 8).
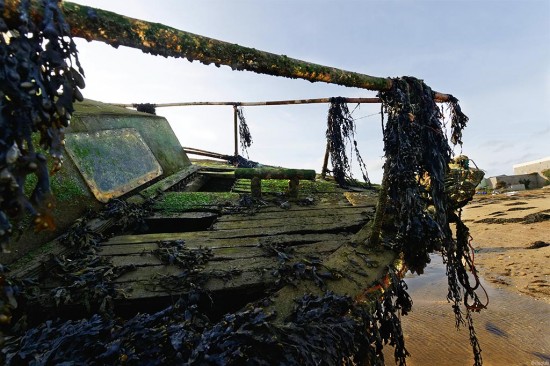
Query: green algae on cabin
point(64, 184)
point(155, 131)
point(65, 189)
point(130, 161)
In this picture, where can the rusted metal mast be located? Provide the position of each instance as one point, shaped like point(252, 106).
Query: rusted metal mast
point(158, 39)
point(255, 104)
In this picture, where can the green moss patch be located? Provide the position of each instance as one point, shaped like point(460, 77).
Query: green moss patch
point(281, 185)
point(189, 201)
point(212, 163)
point(65, 184)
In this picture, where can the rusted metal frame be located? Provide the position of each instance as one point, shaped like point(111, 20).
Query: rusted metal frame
point(158, 39)
point(266, 103)
point(236, 130)
point(324, 169)
point(309, 101)
point(255, 104)
point(193, 151)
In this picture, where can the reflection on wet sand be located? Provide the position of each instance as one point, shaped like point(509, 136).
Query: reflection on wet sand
point(513, 330)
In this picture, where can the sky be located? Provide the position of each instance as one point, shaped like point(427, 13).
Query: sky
point(494, 56)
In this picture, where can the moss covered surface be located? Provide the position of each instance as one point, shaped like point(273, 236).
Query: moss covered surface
point(164, 184)
point(66, 189)
point(212, 163)
point(281, 185)
point(113, 161)
point(173, 202)
point(158, 39)
point(66, 184)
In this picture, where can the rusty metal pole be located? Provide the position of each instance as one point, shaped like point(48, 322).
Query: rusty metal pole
point(325, 161)
point(254, 104)
point(236, 130)
point(158, 39)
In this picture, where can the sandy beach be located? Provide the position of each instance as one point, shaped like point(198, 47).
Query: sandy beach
point(511, 239)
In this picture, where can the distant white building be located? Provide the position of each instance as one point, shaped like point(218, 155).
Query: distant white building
point(535, 166)
point(531, 171)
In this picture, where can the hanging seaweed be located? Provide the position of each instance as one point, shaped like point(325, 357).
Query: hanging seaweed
point(340, 133)
point(458, 120)
point(40, 78)
point(150, 108)
point(416, 151)
point(395, 302)
point(417, 158)
point(245, 137)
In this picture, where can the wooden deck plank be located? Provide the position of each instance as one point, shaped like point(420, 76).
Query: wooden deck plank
point(358, 279)
point(190, 215)
point(143, 287)
point(336, 202)
point(239, 263)
point(255, 269)
point(290, 222)
point(298, 225)
point(297, 239)
point(336, 225)
point(280, 213)
point(140, 255)
point(146, 272)
point(247, 279)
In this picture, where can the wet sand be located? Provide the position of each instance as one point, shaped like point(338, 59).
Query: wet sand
point(513, 330)
point(511, 239)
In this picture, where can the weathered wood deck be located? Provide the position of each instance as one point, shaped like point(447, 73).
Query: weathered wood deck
point(239, 260)
point(281, 251)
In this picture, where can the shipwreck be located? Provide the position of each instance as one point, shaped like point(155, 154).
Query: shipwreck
point(155, 258)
